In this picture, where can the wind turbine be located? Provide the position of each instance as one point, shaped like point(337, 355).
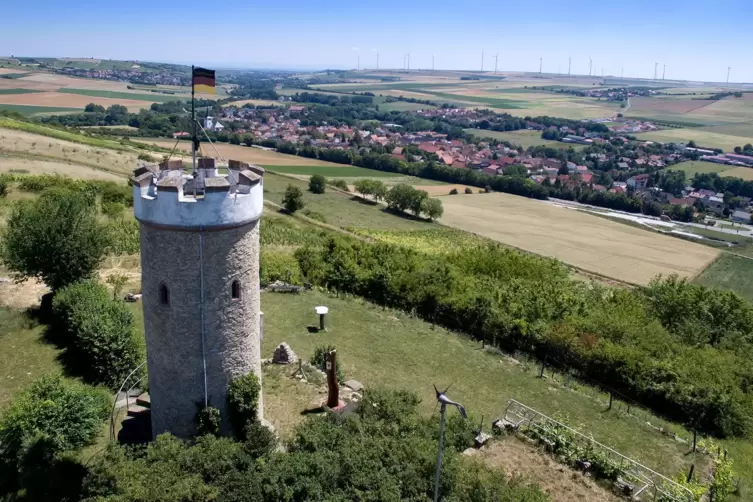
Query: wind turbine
point(482, 60)
point(729, 69)
point(590, 65)
point(496, 57)
point(656, 67)
point(409, 61)
point(569, 64)
point(444, 401)
point(541, 64)
point(432, 62)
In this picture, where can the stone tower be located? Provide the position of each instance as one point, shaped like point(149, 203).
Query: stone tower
point(200, 286)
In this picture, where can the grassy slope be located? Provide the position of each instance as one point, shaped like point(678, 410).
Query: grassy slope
point(338, 209)
point(729, 272)
point(390, 349)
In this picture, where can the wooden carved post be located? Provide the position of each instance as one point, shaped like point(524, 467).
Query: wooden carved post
point(333, 396)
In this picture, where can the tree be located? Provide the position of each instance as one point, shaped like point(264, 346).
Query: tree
point(293, 199)
point(691, 144)
point(92, 108)
point(747, 147)
point(317, 183)
point(432, 208)
point(516, 170)
point(468, 190)
point(56, 238)
point(401, 197)
point(738, 150)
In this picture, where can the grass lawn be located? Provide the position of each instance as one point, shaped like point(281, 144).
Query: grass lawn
point(523, 137)
point(29, 110)
point(385, 348)
point(155, 97)
point(692, 167)
point(334, 171)
point(730, 272)
point(24, 353)
point(745, 173)
point(341, 210)
point(703, 139)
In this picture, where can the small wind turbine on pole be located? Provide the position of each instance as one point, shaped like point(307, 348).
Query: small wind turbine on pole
point(443, 400)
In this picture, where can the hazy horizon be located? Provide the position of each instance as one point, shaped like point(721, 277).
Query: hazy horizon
point(291, 34)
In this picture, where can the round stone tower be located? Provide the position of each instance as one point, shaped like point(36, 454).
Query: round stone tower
point(200, 286)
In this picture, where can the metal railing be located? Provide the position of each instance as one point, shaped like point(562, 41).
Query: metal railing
point(646, 480)
point(133, 384)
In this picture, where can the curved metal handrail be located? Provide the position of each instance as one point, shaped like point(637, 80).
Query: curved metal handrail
point(115, 401)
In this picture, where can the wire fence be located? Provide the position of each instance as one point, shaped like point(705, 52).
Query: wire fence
point(649, 484)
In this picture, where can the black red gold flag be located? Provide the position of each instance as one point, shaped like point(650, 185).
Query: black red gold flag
point(203, 80)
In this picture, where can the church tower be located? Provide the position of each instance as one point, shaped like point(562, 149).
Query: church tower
point(200, 286)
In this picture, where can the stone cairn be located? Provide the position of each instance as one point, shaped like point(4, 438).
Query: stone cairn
point(284, 355)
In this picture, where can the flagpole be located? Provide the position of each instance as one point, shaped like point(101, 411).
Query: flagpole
point(194, 139)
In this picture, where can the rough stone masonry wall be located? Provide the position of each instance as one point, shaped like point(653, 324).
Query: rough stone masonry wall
point(173, 332)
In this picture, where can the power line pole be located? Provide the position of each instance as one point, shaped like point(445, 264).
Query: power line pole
point(569, 64)
point(656, 67)
point(496, 58)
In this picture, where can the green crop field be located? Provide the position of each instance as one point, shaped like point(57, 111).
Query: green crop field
point(18, 91)
point(731, 272)
point(702, 138)
point(29, 110)
point(403, 106)
point(12, 75)
point(523, 137)
point(691, 167)
point(155, 97)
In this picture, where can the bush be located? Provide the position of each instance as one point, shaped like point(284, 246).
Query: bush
point(454, 191)
point(208, 421)
point(113, 209)
point(3, 188)
point(468, 190)
point(292, 201)
point(49, 418)
point(278, 266)
point(341, 184)
point(315, 215)
point(99, 332)
point(319, 360)
point(55, 238)
point(243, 402)
point(317, 183)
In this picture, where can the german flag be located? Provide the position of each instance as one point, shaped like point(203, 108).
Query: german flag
point(203, 80)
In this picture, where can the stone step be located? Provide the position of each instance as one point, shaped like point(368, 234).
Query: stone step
point(144, 400)
point(135, 410)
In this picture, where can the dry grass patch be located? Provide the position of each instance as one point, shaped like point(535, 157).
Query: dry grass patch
point(582, 240)
point(25, 144)
point(243, 153)
point(745, 173)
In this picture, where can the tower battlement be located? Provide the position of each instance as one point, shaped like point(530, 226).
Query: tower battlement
point(163, 195)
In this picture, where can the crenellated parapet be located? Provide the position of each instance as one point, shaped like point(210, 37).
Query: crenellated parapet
point(164, 195)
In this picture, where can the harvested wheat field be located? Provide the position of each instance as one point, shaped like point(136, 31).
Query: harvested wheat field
point(243, 153)
point(563, 484)
point(582, 240)
point(65, 100)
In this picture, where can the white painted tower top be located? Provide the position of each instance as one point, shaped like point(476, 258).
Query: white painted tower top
point(164, 196)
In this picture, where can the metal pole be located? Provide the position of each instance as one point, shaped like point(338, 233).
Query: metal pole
point(439, 453)
point(193, 123)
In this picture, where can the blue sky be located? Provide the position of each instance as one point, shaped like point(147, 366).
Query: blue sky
point(695, 39)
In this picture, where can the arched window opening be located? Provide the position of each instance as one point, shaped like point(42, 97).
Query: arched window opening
point(235, 290)
point(164, 295)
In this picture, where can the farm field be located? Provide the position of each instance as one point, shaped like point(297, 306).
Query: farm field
point(243, 153)
point(523, 137)
point(66, 100)
point(702, 138)
point(403, 106)
point(692, 167)
point(151, 97)
point(31, 111)
point(730, 272)
point(745, 173)
point(255, 102)
point(582, 240)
